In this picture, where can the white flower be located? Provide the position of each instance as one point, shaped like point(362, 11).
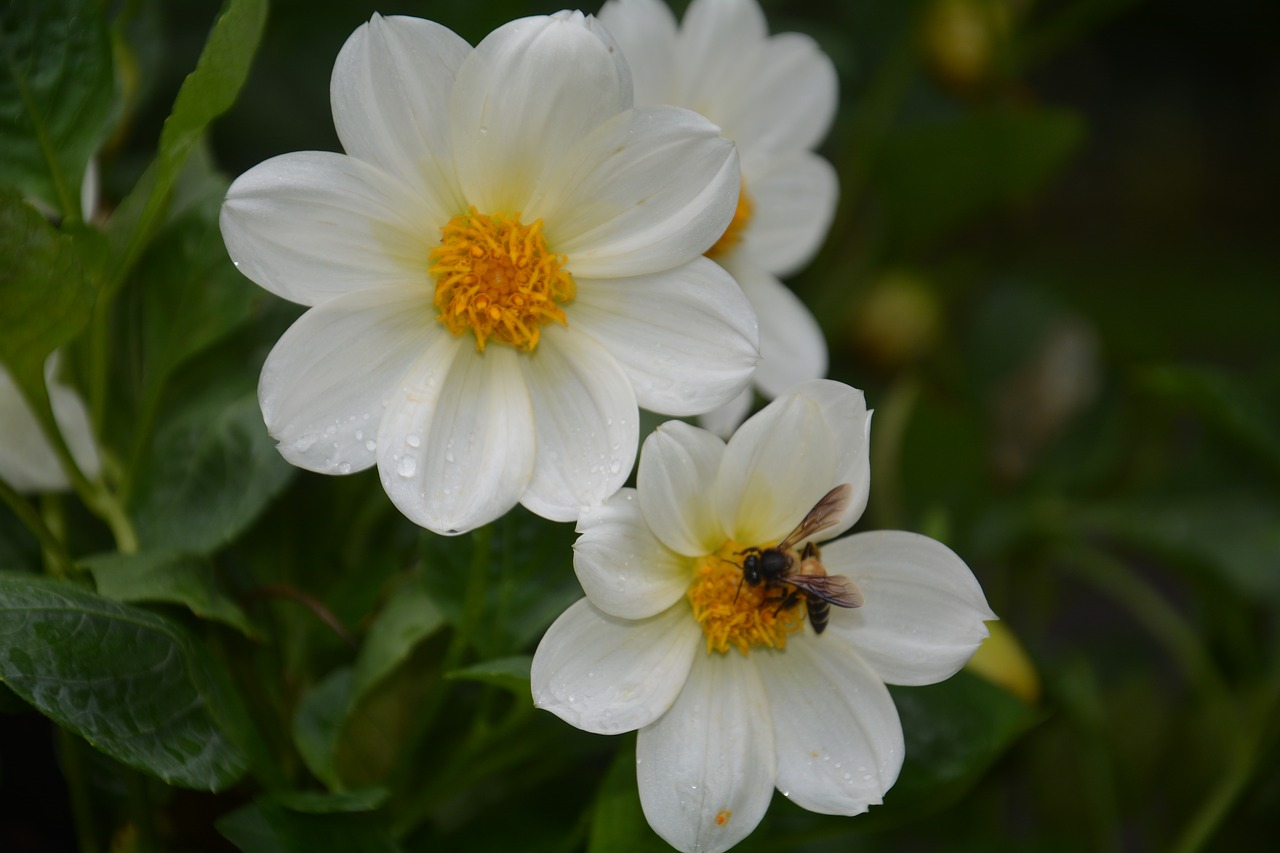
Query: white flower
point(775, 97)
point(731, 693)
point(27, 460)
point(504, 264)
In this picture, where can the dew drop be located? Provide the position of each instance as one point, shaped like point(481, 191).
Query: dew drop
point(407, 466)
point(344, 468)
point(448, 457)
point(371, 445)
point(413, 440)
point(359, 435)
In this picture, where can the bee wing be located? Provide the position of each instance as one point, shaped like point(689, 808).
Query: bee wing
point(834, 589)
point(825, 513)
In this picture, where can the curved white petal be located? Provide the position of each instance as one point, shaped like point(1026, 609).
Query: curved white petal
point(725, 419)
point(324, 384)
point(719, 47)
point(27, 460)
point(648, 190)
point(794, 197)
point(586, 421)
point(706, 768)
point(784, 100)
point(844, 409)
point(775, 468)
point(686, 338)
point(838, 739)
point(646, 32)
point(456, 447)
point(608, 675)
point(524, 97)
point(924, 612)
point(623, 568)
point(390, 93)
point(678, 466)
point(311, 225)
point(792, 346)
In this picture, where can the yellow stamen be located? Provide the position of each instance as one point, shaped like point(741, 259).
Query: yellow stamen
point(496, 278)
point(732, 235)
point(733, 613)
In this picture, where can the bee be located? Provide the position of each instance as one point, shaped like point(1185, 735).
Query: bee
point(800, 574)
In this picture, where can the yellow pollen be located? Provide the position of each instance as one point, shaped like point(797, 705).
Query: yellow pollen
point(733, 613)
point(496, 278)
point(732, 235)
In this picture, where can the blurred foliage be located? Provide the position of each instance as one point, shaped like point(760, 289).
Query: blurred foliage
point(1052, 270)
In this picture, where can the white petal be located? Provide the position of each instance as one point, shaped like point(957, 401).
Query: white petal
point(390, 92)
point(723, 421)
point(646, 32)
point(623, 568)
point(706, 768)
point(784, 100)
point(646, 191)
point(27, 459)
point(838, 738)
point(311, 225)
point(844, 408)
point(775, 468)
point(72, 418)
point(324, 385)
point(524, 97)
point(677, 470)
point(608, 675)
point(924, 612)
point(720, 44)
point(792, 346)
point(794, 197)
point(586, 420)
point(686, 338)
point(456, 446)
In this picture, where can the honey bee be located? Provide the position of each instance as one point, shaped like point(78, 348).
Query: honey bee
point(800, 574)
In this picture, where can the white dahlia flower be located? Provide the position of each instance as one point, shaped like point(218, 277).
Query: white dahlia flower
point(503, 265)
point(775, 97)
point(694, 631)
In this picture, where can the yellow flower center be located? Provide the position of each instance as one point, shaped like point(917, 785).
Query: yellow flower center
point(497, 278)
point(733, 613)
point(732, 235)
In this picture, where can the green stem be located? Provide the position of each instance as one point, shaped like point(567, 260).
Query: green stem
point(71, 751)
point(1114, 578)
point(140, 811)
point(57, 559)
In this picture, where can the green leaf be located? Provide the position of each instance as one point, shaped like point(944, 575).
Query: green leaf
point(270, 827)
point(57, 96)
point(132, 683)
point(207, 93)
point(46, 295)
point(935, 177)
point(510, 673)
point(210, 471)
point(409, 617)
point(318, 802)
point(1232, 535)
point(318, 724)
point(617, 821)
point(1227, 403)
point(169, 577)
point(954, 731)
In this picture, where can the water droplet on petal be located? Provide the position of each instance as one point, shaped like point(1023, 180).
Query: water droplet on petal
point(407, 467)
point(413, 440)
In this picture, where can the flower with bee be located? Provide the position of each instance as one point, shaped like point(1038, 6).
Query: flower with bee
point(699, 626)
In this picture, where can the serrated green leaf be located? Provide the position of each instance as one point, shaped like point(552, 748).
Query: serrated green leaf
point(207, 93)
point(210, 471)
point(409, 617)
point(56, 97)
point(132, 683)
point(46, 294)
point(510, 673)
point(169, 577)
point(935, 177)
point(270, 827)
